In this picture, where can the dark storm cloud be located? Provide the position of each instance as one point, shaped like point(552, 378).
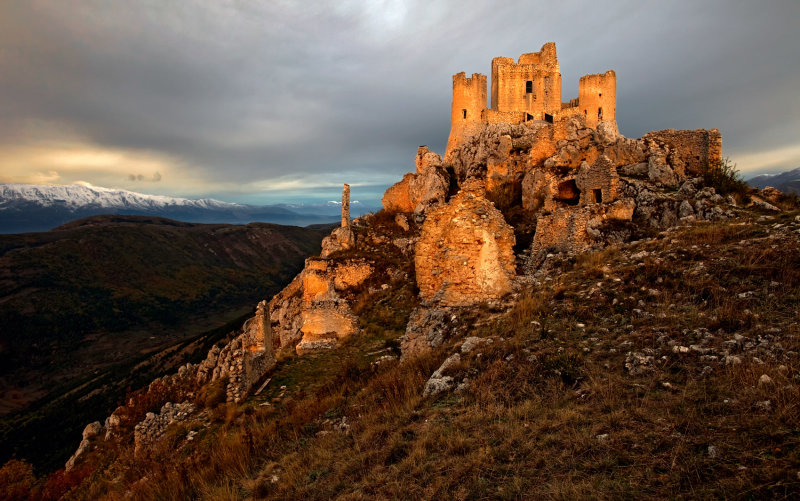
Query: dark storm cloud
point(250, 91)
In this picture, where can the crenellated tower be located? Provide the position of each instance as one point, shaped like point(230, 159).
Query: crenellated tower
point(469, 101)
point(525, 90)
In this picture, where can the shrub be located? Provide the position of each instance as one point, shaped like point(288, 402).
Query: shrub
point(724, 177)
point(215, 393)
point(16, 480)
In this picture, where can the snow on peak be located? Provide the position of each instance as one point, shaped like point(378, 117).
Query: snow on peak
point(84, 194)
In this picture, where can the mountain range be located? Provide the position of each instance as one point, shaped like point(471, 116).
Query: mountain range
point(30, 208)
point(787, 182)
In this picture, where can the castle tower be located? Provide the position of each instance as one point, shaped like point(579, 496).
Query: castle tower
point(469, 101)
point(531, 85)
point(597, 98)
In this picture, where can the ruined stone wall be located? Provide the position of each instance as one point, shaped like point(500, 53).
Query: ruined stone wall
point(693, 149)
point(510, 89)
point(598, 183)
point(508, 117)
point(326, 316)
point(284, 315)
point(465, 251)
point(569, 112)
point(418, 191)
point(597, 97)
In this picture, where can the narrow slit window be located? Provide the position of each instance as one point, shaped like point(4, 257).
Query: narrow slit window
point(529, 87)
point(599, 113)
point(464, 113)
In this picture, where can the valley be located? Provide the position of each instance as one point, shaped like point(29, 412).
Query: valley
point(103, 305)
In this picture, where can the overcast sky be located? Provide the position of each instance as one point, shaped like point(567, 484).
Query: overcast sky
point(281, 101)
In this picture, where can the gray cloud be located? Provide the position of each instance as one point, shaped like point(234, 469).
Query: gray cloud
point(241, 91)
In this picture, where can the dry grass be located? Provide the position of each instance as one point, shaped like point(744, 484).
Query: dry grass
point(550, 410)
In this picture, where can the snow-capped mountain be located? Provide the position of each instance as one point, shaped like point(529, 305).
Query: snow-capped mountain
point(787, 182)
point(26, 208)
point(75, 196)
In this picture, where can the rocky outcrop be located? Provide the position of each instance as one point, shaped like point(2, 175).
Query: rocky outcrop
point(464, 254)
point(427, 328)
point(439, 381)
point(153, 427)
point(340, 239)
point(91, 431)
point(419, 191)
point(243, 362)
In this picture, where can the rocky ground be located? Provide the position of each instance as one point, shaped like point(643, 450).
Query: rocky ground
point(663, 367)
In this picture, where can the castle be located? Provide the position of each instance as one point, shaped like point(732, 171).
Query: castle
point(529, 89)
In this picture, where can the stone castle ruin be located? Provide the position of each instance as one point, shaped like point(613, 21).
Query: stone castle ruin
point(529, 89)
point(522, 181)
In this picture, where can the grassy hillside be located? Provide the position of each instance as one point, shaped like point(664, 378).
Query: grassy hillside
point(665, 368)
point(82, 305)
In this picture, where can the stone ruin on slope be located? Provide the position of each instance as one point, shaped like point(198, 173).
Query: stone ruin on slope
point(529, 174)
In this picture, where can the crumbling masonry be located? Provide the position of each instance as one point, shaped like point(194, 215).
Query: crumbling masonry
point(529, 89)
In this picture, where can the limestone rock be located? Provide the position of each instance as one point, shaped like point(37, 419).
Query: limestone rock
point(419, 191)
point(685, 209)
point(607, 132)
point(438, 381)
point(636, 170)
point(340, 239)
point(762, 204)
point(660, 173)
point(770, 194)
point(464, 254)
point(427, 328)
point(473, 342)
point(91, 431)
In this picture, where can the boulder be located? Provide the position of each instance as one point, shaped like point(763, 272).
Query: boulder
point(419, 191)
point(427, 328)
point(340, 239)
point(607, 132)
point(660, 173)
point(439, 382)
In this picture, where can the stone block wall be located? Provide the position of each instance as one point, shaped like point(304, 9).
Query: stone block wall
point(465, 251)
point(694, 149)
point(597, 97)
